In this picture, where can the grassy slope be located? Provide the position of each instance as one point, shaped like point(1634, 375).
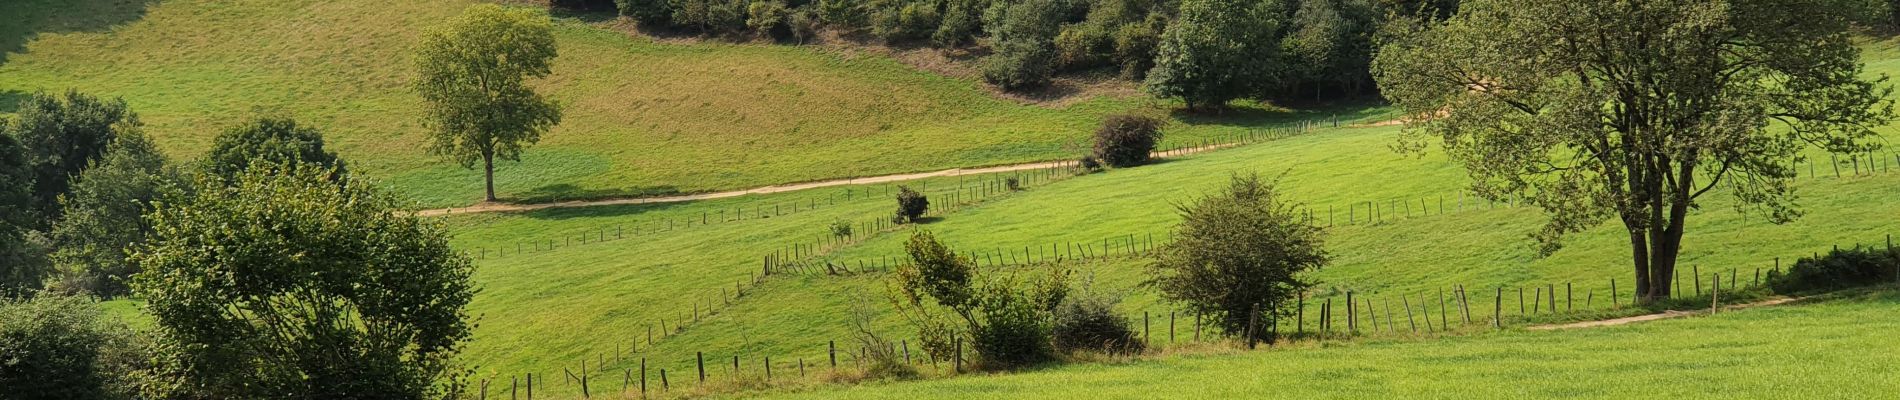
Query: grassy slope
point(1814, 351)
point(642, 116)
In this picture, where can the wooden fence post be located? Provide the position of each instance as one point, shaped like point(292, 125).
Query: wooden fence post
point(1497, 310)
point(1407, 302)
point(1613, 303)
point(701, 357)
point(1464, 304)
point(831, 349)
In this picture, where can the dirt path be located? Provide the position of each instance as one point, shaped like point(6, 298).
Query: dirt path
point(1656, 316)
point(507, 207)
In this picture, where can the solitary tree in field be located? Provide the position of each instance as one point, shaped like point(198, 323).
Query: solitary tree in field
point(286, 284)
point(1241, 251)
point(1634, 110)
point(473, 76)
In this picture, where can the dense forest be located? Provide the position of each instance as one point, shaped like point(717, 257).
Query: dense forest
point(1202, 51)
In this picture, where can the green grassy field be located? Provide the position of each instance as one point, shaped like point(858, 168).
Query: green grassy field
point(545, 311)
point(642, 116)
point(1809, 351)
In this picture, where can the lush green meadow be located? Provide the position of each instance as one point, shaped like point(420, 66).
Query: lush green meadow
point(643, 116)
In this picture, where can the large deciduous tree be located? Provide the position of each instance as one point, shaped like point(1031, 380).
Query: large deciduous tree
point(1633, 110)
point(473, 76)
point(288, 284)
point(104, 214)
point(62, 137)
point(1218, 50)
point(22, 261)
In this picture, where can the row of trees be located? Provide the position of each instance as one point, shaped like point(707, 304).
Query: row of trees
point(1204, 51)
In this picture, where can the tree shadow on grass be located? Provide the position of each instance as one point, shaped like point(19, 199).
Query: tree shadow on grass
point(22, 20)
point(568, 192)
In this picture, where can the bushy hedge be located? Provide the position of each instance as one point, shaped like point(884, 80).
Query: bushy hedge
point(1127, 140)
point(911, 205)
point(1839, 269)
point(1090, 323)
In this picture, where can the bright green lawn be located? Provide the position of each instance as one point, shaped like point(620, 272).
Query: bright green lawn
point(642, 117)
point(1828, 350)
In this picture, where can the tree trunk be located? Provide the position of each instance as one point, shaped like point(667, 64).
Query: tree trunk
point(488, 170)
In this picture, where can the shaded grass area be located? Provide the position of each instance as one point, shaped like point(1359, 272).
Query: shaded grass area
point(642, 117)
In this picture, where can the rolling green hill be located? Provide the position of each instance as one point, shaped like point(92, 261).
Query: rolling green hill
point(643, 116)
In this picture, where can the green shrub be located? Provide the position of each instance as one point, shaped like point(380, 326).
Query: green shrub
point(1243, 249)
point(1006, 320)
point(1126, 140)
point(60, 347)
point(1839, 269)
point(910, 205)
point(1089, 322)
point(1083, 46)
point(766, 17)
point(905, 20)
point(962, 21)
point(1013, 183)
point(1135, 49)
point(841, 229)
point(649, 13)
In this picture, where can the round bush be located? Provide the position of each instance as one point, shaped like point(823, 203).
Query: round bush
point(1090, 323)
point(1126, 140)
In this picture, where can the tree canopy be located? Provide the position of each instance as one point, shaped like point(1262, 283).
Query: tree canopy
point(22, 262)
point(283, 286)
point(1633, 111)
point(473, 76)
point(105, 214)
point(1216, 51)
point(64, 135)
point(268, 141)
point(1242, 250)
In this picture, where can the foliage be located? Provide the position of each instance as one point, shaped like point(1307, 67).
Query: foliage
point(104, 215)
point(1243, 249)
point(1135, 45)
point(269, 142)
point(1330, 43)
point(904, 20)
point(649, 13)
point(841, 228)
point(911, 205)
point(1839, 269)
point(880, 355)
point(1089, 322)
point(1126, 140)
point(473, 72)
point(1023, 38)
point(1596, 111)
point(287, 285)
point(1007, 321)
point(61, 347)
point(962, 22)
point(22, 258)
point(62, 136)
point(710, 16)
point(1216, 51)
point(767, 16)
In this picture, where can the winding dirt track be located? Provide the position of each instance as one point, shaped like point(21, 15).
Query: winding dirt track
point(1656, 316)
point(507, 207)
